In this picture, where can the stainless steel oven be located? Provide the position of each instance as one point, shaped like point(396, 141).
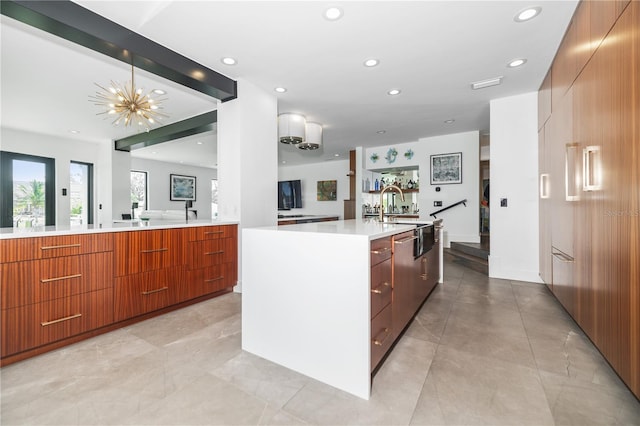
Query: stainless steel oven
point(425, 239)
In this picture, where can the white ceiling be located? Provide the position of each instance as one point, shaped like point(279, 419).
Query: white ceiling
point(430, 50)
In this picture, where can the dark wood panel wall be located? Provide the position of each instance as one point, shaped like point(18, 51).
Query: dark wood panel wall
point(589, 146)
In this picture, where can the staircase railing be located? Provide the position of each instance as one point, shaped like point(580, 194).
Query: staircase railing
point(464, 202)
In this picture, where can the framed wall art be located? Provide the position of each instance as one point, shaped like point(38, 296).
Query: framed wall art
point(182, 188)
point(327, 190)
point(446, 168)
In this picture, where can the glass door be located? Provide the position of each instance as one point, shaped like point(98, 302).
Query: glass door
point(28, 190)
point(81, 193)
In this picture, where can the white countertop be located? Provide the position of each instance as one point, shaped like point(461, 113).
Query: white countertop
point(363, 227)
point(304, 217)
point(118, 226)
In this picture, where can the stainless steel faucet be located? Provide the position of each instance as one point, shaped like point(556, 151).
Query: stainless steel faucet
point(381, 194)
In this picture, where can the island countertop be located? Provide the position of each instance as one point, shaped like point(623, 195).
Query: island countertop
point(370, 228)
point(306, 292)
point(119, 226)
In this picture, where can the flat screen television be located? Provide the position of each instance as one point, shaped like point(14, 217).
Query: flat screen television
point(289, 194)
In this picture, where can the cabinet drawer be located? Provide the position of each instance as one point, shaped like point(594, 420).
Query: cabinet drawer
point(212, 232)
point(380, 286)
point(146, 292)
point(35, 281)
point(34, 325)
point(381, 335)
point(143, 251)
point(19, 249)
point(211, 252)
point(380, 250)
point(208, 280)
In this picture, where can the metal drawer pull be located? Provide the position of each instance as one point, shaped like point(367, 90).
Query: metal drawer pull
point(562, 257)
point(46, 323)
point(213, 252)
point(213, 279)
point(377, 289)
point(59, 247)
point(423, 276)
point(379, 342)
point(146, 293)
point(405, 240)
point(212, 232)
point(154, 250)
point(381, 251)
point(68, 277)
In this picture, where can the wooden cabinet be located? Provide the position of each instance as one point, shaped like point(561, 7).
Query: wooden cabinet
point(61, 289)
point(146, 292)
point(148, 250)
point(595, 233)
point(54, 288)
point(381, 297)
point(212, 261)
point(405, 282)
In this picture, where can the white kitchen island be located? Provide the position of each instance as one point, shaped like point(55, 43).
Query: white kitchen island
point(306, 298)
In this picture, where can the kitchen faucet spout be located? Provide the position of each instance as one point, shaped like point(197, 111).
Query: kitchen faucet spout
point(389, 187)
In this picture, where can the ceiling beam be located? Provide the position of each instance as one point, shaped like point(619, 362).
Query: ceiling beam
point(191, 126)
point(73, 22)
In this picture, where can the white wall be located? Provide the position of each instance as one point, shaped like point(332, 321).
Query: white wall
point(158, 178)
point(514, 171)
point(248, 160)
point(461, 224)
point(309, 175)
point(64, 151)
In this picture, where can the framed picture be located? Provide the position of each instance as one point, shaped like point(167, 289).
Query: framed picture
point(327, 190)
point(446, 168)
point(182, 188)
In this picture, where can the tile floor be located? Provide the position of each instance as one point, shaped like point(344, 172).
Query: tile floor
point(480, 351)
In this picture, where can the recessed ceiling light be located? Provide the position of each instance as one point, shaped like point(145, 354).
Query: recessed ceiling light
point(75, 132)
point(527, 14)
point(159, 92)
point(486, 83)
point(280, 89)
point(381, 132)
point(371, 63)
point(333, 13)
point(393, 92)
point(284, 162)
point(451, 120)
point(228, 61)
point(336, 155)
point(517, 62)
point(199, 143)
point(154, 152)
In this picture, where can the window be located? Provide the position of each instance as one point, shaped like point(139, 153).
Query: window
point(28, 190)
point(81, 193)
point(139, 188)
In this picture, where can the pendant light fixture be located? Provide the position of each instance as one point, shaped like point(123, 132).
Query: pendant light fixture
point(313, 136)
point(128, 104)
point(291, 128)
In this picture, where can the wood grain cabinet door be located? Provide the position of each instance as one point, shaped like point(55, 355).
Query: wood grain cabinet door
point(20, 249)
point(143, 251)
point(34, 325)
point(25, 283)
point(146, 292)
